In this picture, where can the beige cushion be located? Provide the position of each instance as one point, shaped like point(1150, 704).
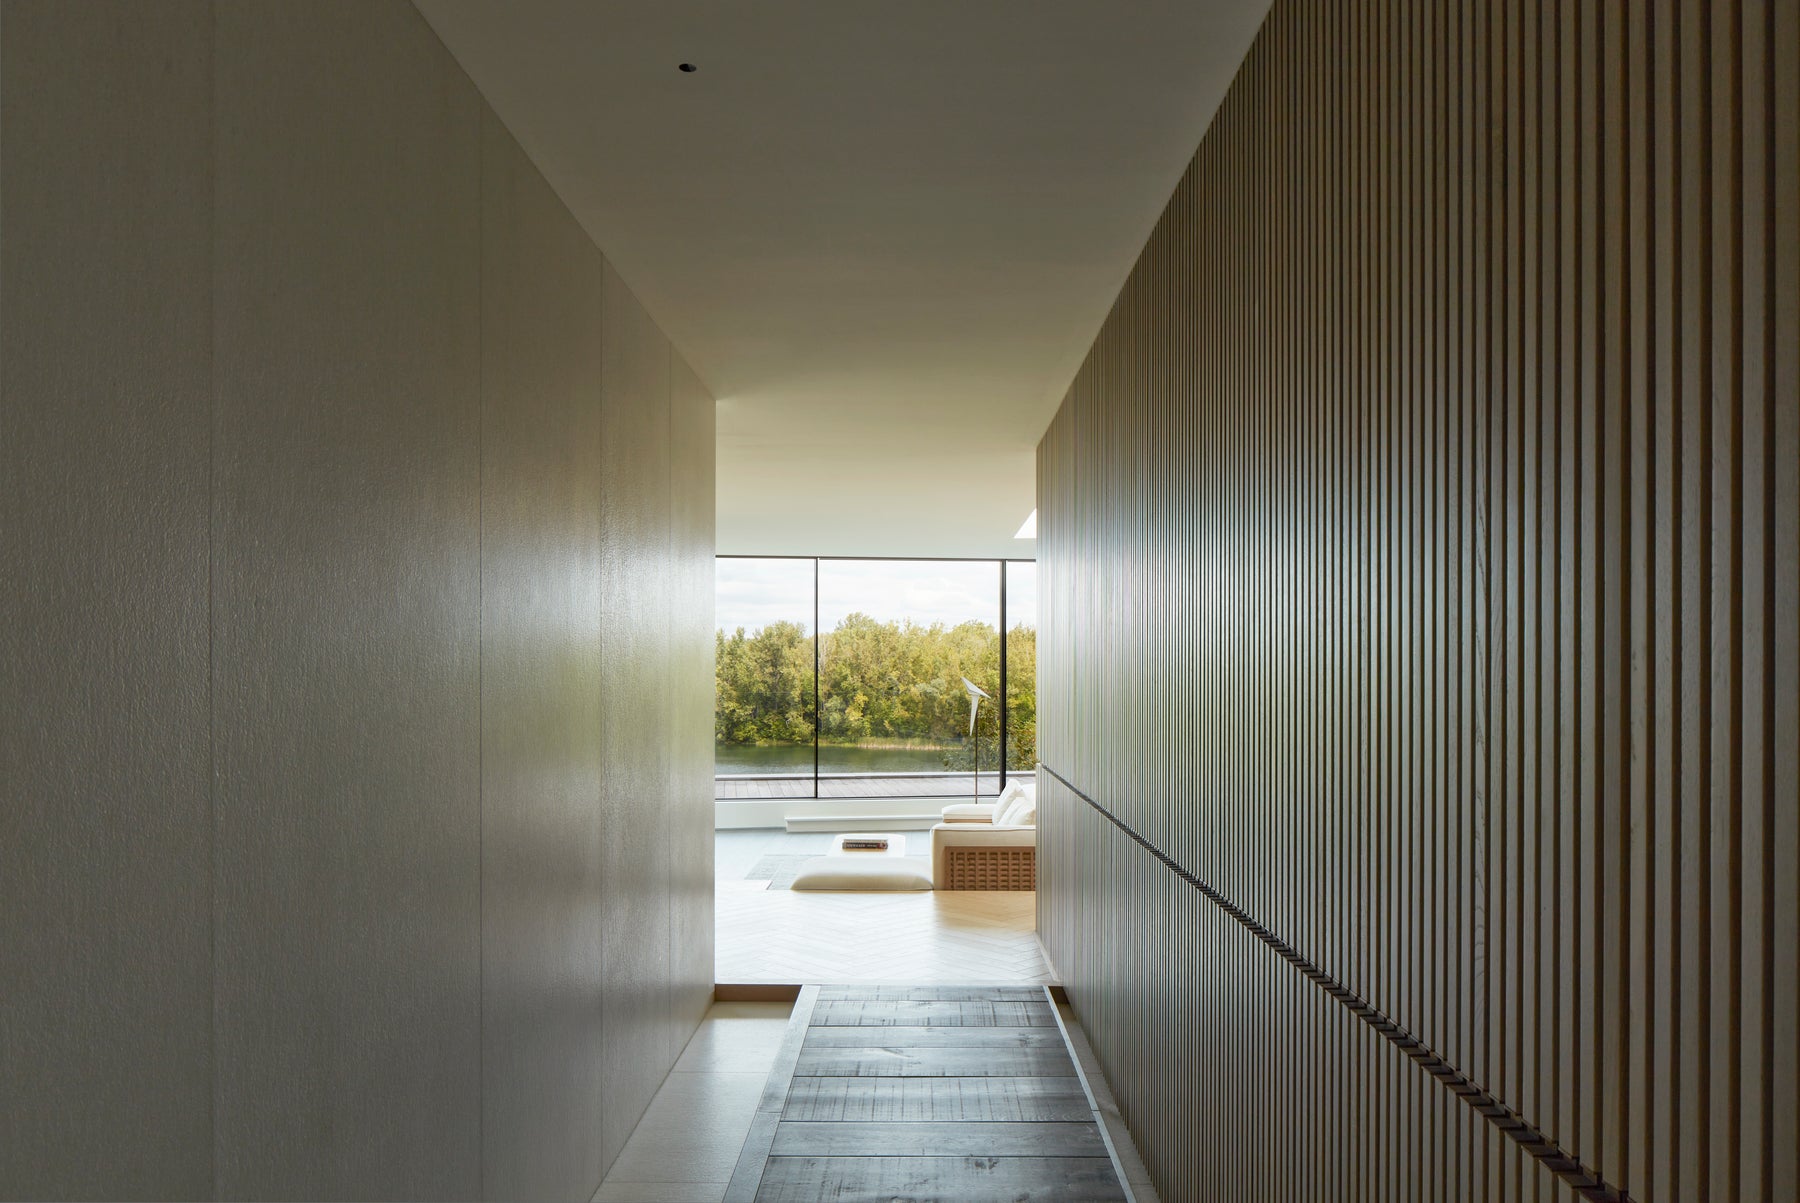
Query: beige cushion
point(1018, 804)
point(969, 812)
point(858, 872)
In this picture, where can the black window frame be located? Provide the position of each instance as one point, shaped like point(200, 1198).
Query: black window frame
point(999, 563)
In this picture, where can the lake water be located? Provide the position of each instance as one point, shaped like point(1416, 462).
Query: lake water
point(736, 759)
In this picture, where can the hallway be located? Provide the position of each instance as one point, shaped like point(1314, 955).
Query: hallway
point(474, 475)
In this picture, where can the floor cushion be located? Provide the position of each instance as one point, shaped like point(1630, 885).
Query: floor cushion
point(858, 872)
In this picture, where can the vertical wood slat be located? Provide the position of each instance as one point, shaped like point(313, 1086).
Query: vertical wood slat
point(1418, 561)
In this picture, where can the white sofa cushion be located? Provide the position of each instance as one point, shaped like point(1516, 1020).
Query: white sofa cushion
point(1018, 804)
point(1022, 813)
point(969, 812)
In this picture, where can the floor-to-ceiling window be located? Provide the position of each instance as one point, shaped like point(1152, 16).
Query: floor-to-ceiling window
point(764, 712)
point(847, 678)
point(1021, 665)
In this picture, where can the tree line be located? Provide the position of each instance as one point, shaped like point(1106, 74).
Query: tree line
point(878, 681)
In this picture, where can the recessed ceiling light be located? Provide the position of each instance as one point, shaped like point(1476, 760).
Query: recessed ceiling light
point(1028, 528)
point(688, 67)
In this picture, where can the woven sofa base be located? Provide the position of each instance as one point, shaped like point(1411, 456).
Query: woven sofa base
point(989, 869)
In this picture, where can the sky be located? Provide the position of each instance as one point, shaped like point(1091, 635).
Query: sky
point(754, 592)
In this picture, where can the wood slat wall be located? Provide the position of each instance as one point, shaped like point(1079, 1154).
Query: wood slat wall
point(1418, 550)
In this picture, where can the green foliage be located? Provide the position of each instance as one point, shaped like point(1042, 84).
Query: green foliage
point(1021, 697)
point(887, 680)
point(1021, 711)
point(764, 686)
point(878, 682)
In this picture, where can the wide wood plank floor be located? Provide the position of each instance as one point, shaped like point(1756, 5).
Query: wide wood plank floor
point(906, 1094)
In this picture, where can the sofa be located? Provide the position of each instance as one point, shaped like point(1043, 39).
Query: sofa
point(988, 845)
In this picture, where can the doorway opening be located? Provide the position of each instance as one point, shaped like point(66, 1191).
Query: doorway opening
point(888, 699)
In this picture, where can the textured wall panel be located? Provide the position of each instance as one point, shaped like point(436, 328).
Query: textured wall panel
point(356, 665)
point(346, 606)
point(636, 590)
point(1418, 549)
point(105, 821)
point(692, 681)
point(542, 823)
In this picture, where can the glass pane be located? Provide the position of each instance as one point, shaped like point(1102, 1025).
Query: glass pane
point(897, 639)
point(763, 711)
point(1021, 665)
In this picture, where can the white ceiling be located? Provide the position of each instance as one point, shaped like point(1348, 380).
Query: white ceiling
point(883, 233)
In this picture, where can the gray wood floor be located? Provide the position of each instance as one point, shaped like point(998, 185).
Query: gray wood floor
point(902, 1094)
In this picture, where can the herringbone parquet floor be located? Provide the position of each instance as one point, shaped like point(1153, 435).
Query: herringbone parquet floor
point(924, 938)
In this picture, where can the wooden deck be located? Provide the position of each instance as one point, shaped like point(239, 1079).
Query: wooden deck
point(857, 785)
point(947, 1093)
